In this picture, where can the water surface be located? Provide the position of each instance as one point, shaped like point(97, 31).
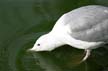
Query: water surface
point(23, 21)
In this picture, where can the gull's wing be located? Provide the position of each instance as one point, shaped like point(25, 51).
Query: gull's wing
point(88, 23)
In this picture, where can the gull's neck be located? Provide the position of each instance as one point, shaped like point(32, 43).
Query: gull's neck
point(56, 39)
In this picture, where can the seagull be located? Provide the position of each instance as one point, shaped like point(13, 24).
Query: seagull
point(83, 28)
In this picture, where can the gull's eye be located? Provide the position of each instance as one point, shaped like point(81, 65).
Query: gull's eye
point(38, 44)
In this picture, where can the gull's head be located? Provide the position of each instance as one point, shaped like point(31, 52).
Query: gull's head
point(44, 43)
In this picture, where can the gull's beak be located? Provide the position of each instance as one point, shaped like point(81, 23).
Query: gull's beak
point(32, 49)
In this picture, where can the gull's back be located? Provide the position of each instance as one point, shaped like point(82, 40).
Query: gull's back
point(88, 23)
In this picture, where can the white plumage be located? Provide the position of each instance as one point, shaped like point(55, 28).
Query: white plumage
point(83, 28)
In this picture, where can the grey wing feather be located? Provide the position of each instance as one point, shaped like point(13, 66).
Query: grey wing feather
point(88, 23)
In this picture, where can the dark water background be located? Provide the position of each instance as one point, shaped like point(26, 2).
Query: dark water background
point(23, 21)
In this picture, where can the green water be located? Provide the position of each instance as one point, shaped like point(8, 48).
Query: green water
point(23, 21)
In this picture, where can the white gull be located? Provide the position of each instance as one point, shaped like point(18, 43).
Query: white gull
point(83, 28)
